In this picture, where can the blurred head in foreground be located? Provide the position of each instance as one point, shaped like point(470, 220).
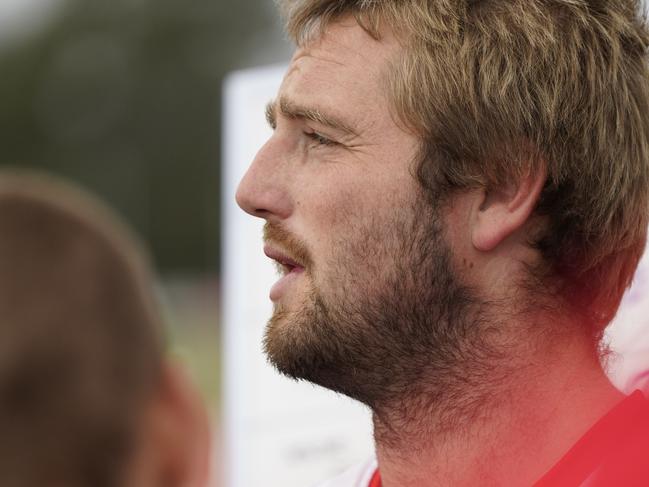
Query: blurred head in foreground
point(86, 398)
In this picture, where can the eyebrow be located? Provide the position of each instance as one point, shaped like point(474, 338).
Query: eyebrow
point(294, 111)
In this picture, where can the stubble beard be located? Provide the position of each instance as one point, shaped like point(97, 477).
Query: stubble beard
point(394, 330)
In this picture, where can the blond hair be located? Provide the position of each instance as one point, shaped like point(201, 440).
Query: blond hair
point(496, 89)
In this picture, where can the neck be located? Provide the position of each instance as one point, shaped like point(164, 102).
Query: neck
point(495, 430)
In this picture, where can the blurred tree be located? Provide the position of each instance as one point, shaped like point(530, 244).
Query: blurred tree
point(124, 96)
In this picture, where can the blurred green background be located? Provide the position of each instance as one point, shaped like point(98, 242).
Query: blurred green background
point(124, 97)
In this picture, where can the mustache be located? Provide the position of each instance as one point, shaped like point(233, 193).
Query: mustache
point(296, 248)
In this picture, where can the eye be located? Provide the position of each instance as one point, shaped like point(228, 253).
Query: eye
point(319, 139)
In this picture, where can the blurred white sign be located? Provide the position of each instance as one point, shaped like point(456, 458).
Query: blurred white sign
point(279, 433)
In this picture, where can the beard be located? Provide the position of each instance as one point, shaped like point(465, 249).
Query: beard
point(391, 324)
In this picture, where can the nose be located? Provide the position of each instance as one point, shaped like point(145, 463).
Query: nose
point(264, 190)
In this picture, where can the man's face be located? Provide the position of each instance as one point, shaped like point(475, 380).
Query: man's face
point(366, 274)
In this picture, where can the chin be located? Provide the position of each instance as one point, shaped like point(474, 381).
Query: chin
point(290, 337)
point(303, 344)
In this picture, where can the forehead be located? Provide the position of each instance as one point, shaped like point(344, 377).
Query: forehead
point(344, 68)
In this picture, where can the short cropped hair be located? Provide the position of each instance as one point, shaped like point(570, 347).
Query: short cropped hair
point(497, 89)
point(80, 346)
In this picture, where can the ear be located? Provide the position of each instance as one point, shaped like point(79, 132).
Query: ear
point(503, 210)
point(175, 446)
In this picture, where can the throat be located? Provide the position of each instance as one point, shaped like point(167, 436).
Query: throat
point(495, 421)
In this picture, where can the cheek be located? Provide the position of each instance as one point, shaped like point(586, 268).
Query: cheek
point(354, 196)
point(324, 202)
point(350, 216)
point(354, 238)
point(329, 221)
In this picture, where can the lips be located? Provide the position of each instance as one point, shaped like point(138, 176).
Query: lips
point(286, 263)
point(290, 269)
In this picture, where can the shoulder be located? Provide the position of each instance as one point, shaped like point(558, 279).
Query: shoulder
point(356, 476)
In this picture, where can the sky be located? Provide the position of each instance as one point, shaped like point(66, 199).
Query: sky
point(20, 17)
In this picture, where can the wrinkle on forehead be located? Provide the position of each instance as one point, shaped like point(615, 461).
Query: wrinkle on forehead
point(347, 48)
point(303, 54)
point(319, 54)
point(346, 28)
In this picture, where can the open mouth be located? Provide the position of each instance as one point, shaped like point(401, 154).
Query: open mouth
point(287, 267)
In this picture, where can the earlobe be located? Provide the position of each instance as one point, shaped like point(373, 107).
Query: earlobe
point(503, 210)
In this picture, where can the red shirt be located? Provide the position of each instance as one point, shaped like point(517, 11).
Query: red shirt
point(613, 453)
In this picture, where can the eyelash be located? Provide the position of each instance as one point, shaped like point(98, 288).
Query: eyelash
point(319, 139)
